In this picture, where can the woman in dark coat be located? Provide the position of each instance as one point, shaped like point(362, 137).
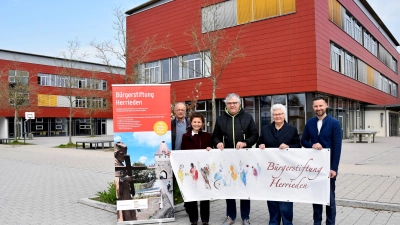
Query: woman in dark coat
point(195, 138)
point(282, 135)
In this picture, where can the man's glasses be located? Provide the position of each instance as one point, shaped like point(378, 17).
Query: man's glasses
point(278, 114)
point(232, 103)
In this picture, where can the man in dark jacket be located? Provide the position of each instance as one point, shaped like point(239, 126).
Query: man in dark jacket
point(235, 129)
point(324, 131)
point(179, 125)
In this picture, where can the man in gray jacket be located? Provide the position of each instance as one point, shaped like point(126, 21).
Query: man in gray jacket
point(235, 129)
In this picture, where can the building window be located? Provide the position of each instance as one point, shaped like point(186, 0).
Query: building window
point(336, 58)
point(165, 70)
point(80, 102)
point(152, 73)
point(348, 26)
point(349, 66)
point(357, 33)
point(191, 66)
point(18, 77)
point(175, 69)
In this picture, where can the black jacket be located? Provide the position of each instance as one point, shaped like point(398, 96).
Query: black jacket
point(232, 129)
point(173, 131)
point(287, 134)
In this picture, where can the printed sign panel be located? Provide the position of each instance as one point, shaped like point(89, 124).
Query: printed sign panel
point(142, 135)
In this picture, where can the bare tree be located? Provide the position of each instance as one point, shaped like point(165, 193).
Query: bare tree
point(215, 47)
point(126, 50)
point(94, 105)
point(17, 93)
point(71, 72)
point(193, 98)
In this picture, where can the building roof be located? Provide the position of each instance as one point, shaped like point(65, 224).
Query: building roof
point(163, 149)
point(379, 21)
point(137, 8)
point(53, 58)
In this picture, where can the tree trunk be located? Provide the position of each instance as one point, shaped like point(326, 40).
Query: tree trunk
point(214, 110)
point(15, 125)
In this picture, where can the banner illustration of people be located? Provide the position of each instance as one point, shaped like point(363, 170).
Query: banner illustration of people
point(142, 136)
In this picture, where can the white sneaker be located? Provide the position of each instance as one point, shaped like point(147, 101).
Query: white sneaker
point(228, 221)
point(246, 222)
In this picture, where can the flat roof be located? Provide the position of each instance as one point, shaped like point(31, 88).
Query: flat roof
point(379, 21)
point(58, 58)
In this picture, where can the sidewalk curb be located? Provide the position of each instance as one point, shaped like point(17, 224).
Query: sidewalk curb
point(368, 205)
point(113, 208)
point(99, 205)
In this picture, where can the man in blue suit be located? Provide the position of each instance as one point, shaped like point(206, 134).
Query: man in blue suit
point(324, 131)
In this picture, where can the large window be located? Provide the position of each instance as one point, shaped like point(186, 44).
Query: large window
point(177, 68)
point(265, 110)
point(297, 110)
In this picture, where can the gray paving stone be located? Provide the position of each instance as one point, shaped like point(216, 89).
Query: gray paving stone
point(43, 185)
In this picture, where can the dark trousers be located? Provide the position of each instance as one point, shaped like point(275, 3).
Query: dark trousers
point(192, 211)
point(280, 211)
point(244, 209)
point(330, 210)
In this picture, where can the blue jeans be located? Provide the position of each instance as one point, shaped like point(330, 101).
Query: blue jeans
point(280, 210)
point(244, 209)
point(330, 210)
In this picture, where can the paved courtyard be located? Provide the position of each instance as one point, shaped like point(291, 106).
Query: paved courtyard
point(40, 184)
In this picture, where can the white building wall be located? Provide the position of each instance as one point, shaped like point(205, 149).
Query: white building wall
point(110, 127)
point(373, 121)
point(3, 127)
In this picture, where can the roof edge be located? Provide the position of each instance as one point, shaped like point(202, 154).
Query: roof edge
point(58, 58)
point(376, 17)
point(139, 7)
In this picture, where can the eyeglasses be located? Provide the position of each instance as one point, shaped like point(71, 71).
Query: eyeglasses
point(180, 110)
point(232, 103)
point(278, 114)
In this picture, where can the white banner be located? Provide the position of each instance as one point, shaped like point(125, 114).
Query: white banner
point(295, 174)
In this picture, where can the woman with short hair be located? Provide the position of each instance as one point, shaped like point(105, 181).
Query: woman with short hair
point(279, 134)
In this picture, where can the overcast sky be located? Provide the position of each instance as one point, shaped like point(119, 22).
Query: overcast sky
point(44, 27)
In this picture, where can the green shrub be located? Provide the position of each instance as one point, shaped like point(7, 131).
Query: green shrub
point(177, 193)
point(108, 196)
